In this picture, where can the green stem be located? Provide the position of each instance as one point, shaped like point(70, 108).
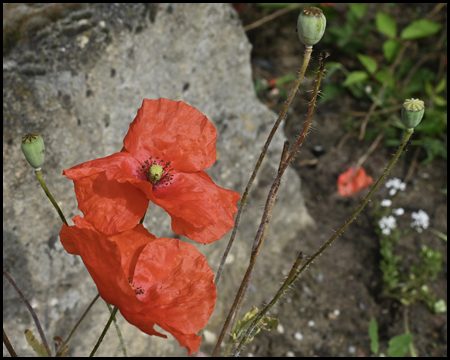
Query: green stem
point(108, 324)
point(408, 134)
point(63, 346)
point(306, 59)
point(119, 333)
point(49, 195)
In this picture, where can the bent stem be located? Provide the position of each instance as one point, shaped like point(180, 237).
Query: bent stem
point(408, 134)
point(301, 74)
point(49, 195)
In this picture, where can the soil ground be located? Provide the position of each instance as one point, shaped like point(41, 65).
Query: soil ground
point(342, 291)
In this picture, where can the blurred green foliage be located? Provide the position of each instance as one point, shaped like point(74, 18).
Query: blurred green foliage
point(397, 346)
point(394, 54)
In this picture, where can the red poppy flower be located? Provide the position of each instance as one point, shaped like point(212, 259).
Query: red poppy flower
point(167, 147)
point(152, 281)
point(350, 183)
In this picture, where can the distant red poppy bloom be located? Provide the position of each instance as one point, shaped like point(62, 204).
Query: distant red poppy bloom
point(152, 281)
point(347, 186)
point(167, 147)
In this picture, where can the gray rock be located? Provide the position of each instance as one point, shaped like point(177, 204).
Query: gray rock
point(79, 82)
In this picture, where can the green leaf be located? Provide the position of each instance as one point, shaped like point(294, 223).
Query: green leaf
point(373, 334)
point(355, 77)
point(358, 9)
point(37, 347)
point(381, 75)
point(398, 345)
point(329, 92)
point(428, 87)
point(420, 29)
point(391, 49)
point(369, 63)
point(386, 25)
point(440, 101)
point(441, 86)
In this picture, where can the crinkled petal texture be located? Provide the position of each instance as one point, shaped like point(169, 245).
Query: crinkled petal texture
point(348, 186)
point(112, 192)
point(152, 281)
point(199, 209)
point(172, 131)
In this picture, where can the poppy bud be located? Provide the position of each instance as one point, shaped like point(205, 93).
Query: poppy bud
point(412, 112)
point(311, 25)
point(155, 173)
point(34, 150)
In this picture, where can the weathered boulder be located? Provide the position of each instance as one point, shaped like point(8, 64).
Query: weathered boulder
point(78, 79)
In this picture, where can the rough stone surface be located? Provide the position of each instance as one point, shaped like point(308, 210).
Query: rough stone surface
point(79, 81)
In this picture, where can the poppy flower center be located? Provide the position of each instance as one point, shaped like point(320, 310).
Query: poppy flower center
point(157, 171)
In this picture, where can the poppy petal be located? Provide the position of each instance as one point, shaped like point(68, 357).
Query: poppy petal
point(152, 281)
point(109, 191)
point(172, 131)
point(199, 209)
point(348, 186)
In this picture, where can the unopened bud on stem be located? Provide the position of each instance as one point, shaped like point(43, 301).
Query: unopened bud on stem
point(34, 150)
point(412, 112)
point(311, 25)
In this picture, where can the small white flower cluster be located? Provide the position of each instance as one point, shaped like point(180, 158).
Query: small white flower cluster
point(421, 220)
point(395, 184)
point(387, 223)
point(386, 202)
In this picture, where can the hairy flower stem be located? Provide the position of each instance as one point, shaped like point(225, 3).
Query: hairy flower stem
point(30, 309)
point(259, 239)
point(49, 195)
point(284, 155)
point(408, 134)
point(287, 103)
point(64, 344)
point(287, 283)
point(100, 339)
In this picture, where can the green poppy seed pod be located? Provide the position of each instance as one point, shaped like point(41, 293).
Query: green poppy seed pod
point(34, 150)
point(311, 25)
point(412, 112)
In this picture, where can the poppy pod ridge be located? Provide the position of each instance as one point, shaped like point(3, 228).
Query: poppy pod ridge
point(151, 280)
point(166, 150)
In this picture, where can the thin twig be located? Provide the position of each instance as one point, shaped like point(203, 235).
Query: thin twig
point(271, 17)
point(31, 310)
point(383, 87)
point(306, 59)
point(8, 345)
point(369, 151)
